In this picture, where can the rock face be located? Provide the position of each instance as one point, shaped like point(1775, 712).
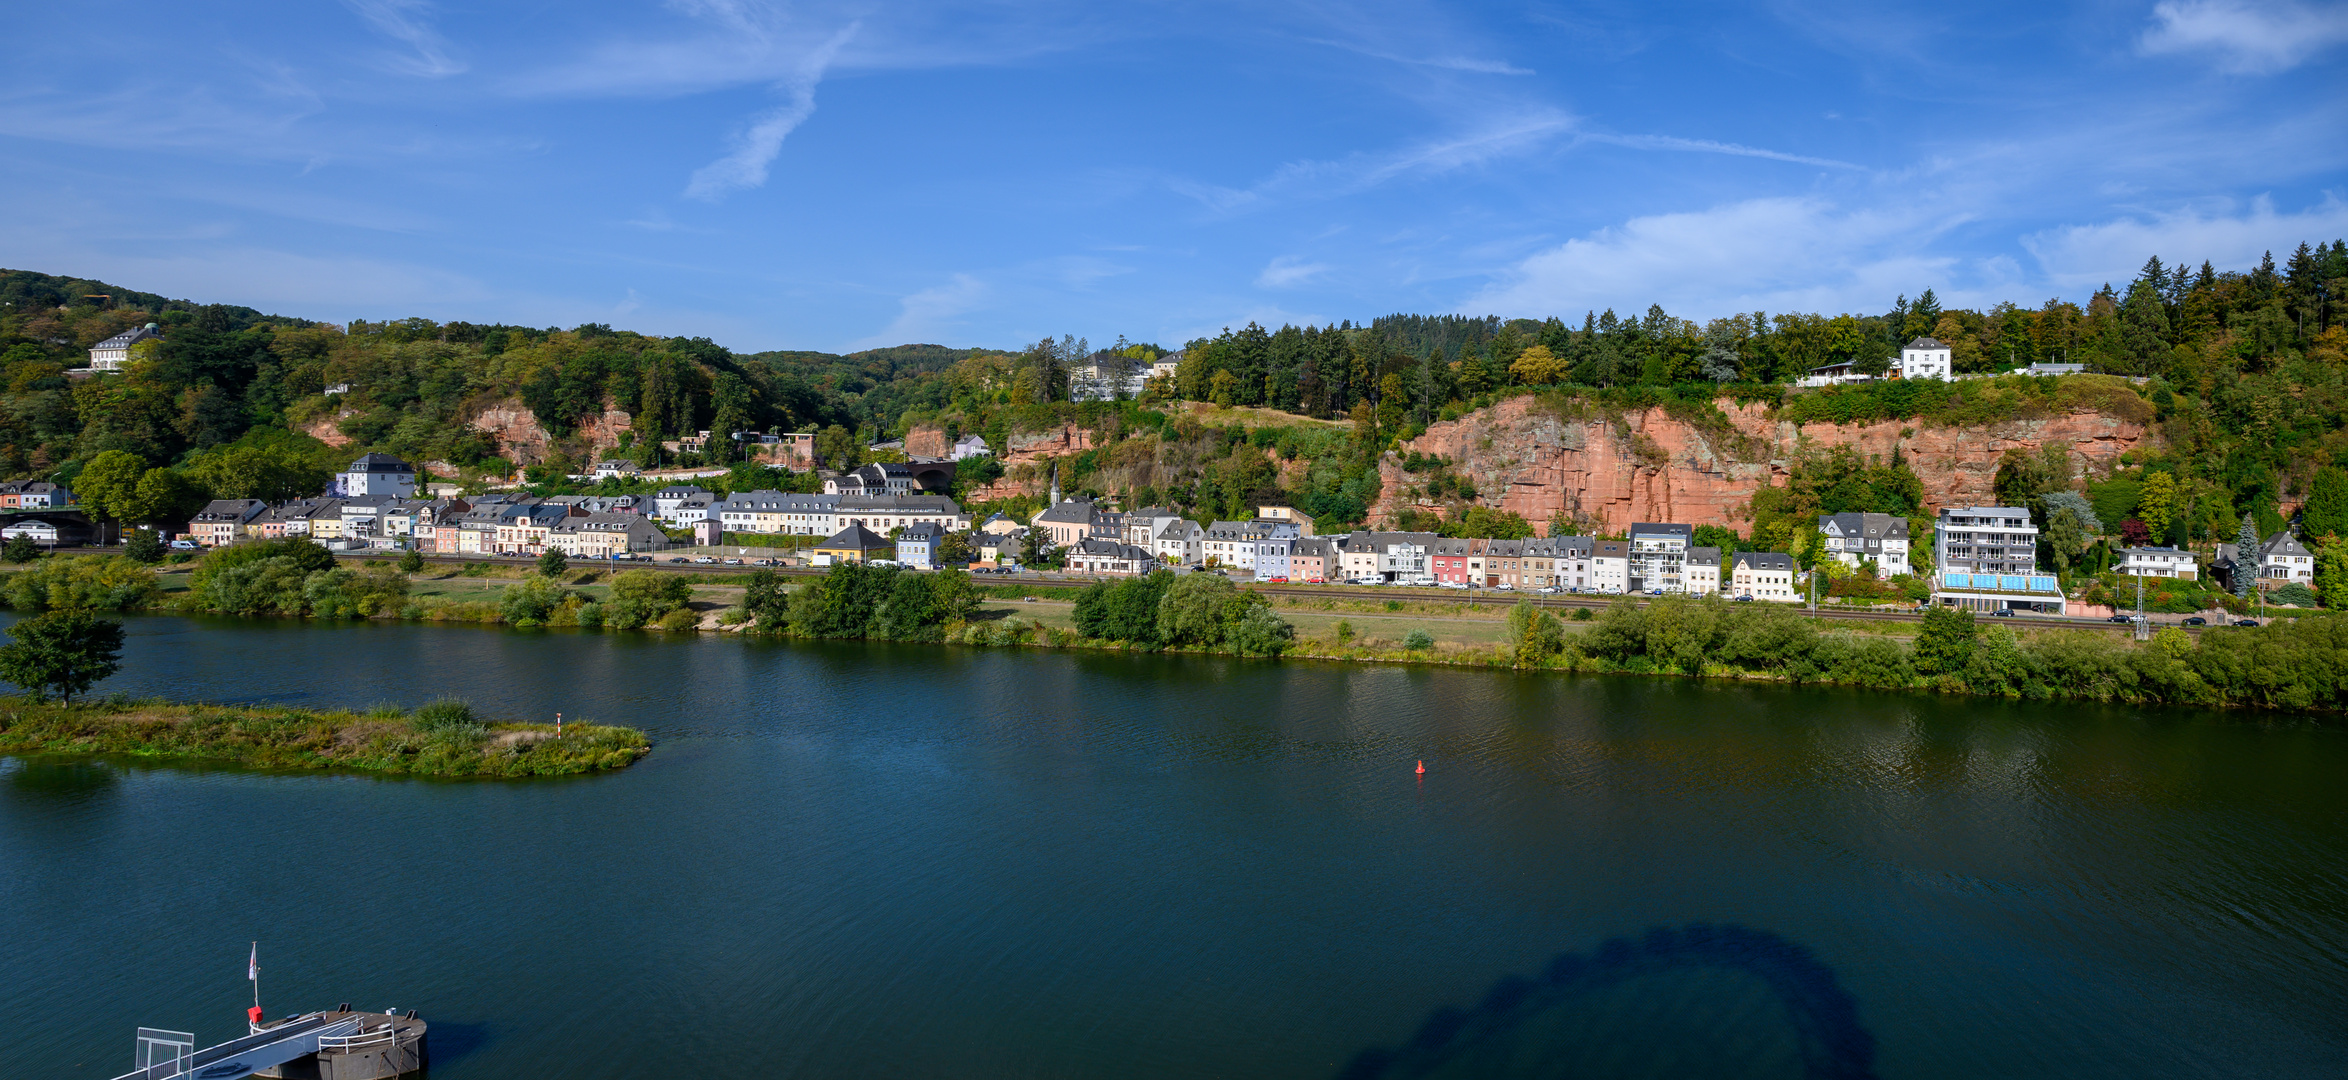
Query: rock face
point(328, 430)
point(929, 441)
point(1652, 467)
point(525, 442)
point(1030, 445)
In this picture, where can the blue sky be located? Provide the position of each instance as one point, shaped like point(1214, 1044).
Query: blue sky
point(841, 175)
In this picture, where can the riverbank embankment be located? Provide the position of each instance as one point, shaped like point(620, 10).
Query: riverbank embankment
point(443, 738)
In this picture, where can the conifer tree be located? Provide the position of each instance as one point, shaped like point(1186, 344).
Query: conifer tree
point(2245, 557)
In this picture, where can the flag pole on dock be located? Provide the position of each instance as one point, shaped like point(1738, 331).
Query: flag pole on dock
point(253, 973)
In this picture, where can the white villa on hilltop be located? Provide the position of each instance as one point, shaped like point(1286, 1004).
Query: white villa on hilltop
point(1923, 358)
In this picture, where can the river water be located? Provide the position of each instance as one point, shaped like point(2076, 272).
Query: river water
point(874, 860)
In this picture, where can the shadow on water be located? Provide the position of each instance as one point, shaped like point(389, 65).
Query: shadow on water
point(61, 781)
point(452, 1042)
point(1694, 1000)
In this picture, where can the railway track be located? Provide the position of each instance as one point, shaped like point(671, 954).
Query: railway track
point(1468, 599)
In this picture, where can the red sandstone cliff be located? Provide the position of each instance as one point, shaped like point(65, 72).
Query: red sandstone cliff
point(525, 442)
point(1652, 467)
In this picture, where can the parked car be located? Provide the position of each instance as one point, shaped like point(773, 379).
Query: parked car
point(2196, 620)
point(185, 545)
point(1654, 592)
point(2120, 619)
point(706, 560)
point(2246, 622)
point(1746, 599)
point(2004, 613)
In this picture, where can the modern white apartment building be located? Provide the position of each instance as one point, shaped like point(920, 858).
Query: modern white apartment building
point(1659, 556)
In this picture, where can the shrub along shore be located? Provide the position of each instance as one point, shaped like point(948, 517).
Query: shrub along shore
point(2298, 665)
point(443, 738)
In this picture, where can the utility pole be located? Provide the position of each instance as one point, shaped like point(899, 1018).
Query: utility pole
point(2141, 631)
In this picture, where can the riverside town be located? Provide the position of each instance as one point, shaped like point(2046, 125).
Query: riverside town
point(1305, 542)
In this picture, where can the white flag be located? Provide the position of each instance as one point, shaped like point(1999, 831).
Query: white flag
point(253, 965)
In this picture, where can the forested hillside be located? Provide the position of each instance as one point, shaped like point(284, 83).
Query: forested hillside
point(2244, 371)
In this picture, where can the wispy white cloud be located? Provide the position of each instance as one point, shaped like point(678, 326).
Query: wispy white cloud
point(1287, 271)
point(930, 314)
point(1524, 132)
point(757, 145)
point(1707, 146)
point(408, 22)
point(1497, 139)
point(2231, 236)
point(1447, 62)
point(2247, 36)
point(1773, 253)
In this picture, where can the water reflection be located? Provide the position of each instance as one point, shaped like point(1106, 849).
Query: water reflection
point(1699, 1000)
point(51, 781)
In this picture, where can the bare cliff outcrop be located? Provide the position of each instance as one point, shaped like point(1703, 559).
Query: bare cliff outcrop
point(524, 441)
point(1647, 465)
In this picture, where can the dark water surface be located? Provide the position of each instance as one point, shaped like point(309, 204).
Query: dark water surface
point(850, 860)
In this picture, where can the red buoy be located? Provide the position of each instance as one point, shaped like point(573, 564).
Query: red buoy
point(1422, 768)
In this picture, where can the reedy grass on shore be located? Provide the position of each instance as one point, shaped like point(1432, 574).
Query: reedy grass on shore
point(441, 739)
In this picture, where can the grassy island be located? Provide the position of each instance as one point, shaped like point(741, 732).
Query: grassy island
point(443, 738)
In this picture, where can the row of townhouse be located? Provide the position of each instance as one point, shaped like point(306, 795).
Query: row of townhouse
point(33, 495)
point(585, 526)
point(825, 515)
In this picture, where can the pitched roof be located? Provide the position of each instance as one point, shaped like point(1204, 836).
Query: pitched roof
point(854, 538)
point(906, 504)
point(1704, 556)
point(1870, 526)
point(379, 463)
point(1927, 343)
point(1765, 560)
point(1071, 512)
point(128, 338)
point(2282, 543)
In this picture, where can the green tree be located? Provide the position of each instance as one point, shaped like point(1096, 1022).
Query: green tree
point(1191, 612)
point(2066, 539)
point(2326, 513)
point(1125, 610)
point(553, 564)
point(269, 473)
point(21, 548)
point(62, 651)
point(2157, 504)
point(108, 486)
point(838, 447)
point(411, 561)
point(767, 600)
point(1417, 640)
point(531, 600)
point(168, 496)
point(1945, 644)
point(2246, 558)
point(643, 596)
point(144, 545)
point(2331, 572)
point(1536, 633)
